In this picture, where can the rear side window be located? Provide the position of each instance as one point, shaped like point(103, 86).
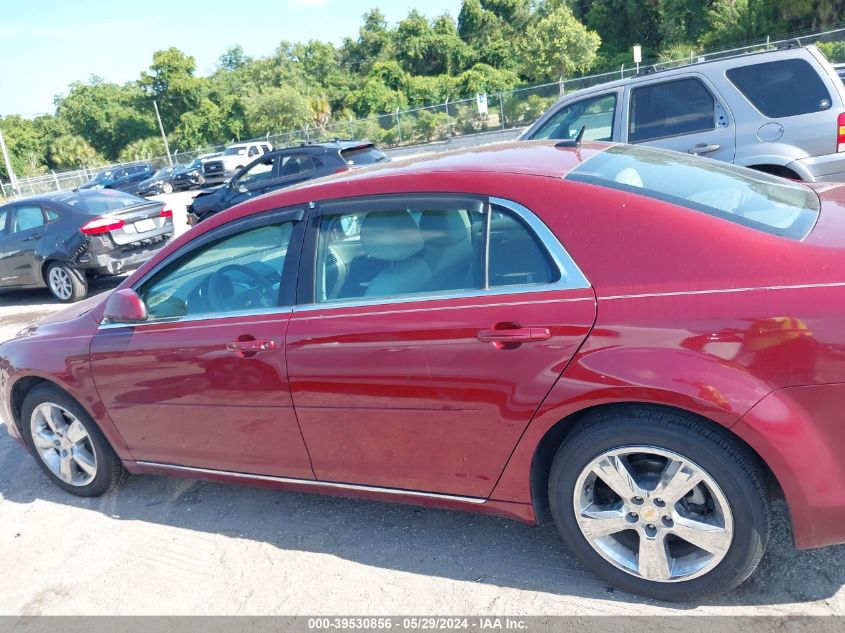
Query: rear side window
point(3, 215)
point(784, 88)
point(595, 114)
point(362, 155)
point(26, 218)
point(673, 108)
point(516, 256)
point(751, 198)
point(98, 202)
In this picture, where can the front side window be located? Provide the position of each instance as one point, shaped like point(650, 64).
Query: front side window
point(236, 273)
point(784, 88)
point(257, 173)
point(424, 245)
point(751, 198)
point(595, 114)
point(26, 218)
point(672, 108)
point(3, 215)
point(253, 151)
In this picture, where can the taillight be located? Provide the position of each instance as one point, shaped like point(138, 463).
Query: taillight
point(101, 225)
point(166, 213)
point(840, 133)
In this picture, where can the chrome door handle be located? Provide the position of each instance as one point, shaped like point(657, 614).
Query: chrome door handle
point(703, 148)
point(515, 335)
point(250, 347)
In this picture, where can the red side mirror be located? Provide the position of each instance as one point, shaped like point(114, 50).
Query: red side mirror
point(125, 306)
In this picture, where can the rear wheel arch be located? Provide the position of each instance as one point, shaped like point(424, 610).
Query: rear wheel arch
point(556, 436)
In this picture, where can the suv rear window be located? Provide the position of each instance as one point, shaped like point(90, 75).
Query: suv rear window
point(754, 199)
point(362, 155)
point(784, 88)
point(97, 202)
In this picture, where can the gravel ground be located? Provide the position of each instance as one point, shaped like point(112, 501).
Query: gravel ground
point(168, 546)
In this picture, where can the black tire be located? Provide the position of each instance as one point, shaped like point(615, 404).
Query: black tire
point(77, 285)
point(109, 472)
point(734, 469)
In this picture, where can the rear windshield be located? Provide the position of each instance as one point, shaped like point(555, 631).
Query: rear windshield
point(779, 89)
point(362, 155)
point(754, 199)
point(99, 202)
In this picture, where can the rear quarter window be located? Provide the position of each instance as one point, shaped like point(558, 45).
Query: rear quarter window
point(788, 87)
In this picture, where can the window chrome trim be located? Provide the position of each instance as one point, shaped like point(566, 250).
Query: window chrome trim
point(571, 277)
point(314, 482)
point(275, 311)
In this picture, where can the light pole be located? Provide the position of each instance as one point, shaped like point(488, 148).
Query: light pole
point(163, 136)
point(12, 178)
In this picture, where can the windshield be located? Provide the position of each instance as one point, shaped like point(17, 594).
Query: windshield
point(163, 172)
point(754, 199)
point(235, 151)
point(100, 201)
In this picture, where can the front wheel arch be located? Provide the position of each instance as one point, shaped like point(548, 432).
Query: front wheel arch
point(544, 453)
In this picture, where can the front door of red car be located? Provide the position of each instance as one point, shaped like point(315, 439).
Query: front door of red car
point(203, 383)
point(434, 328)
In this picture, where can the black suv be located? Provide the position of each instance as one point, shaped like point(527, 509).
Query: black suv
point(283, 168)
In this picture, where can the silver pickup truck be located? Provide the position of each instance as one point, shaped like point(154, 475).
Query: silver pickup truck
point(232, 160)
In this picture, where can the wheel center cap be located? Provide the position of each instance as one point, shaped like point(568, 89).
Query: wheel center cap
point(650, 514)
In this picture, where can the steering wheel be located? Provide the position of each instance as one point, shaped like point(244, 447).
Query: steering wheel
point(222, 295)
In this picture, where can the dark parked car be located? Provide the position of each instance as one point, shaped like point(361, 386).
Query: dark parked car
point(282, 168)
point(159, 182)
point(57, 240)
point(188, 176)
point(124, 178)
point(646, 345)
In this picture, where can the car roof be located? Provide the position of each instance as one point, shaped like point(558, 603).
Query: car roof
point(553, 159)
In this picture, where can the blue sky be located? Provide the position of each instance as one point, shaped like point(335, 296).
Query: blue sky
point(45, 45)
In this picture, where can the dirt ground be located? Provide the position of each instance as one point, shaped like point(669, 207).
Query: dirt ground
point(168, 546)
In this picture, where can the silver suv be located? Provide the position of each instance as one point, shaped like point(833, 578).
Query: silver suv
point(781, 112)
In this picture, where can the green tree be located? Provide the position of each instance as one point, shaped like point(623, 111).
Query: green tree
point(426, 48)
point(557, 45)
point(107, 115)
point(734, 22)
point(143, 149)
point(73, 151)
point(277, 110)
point(172, 83)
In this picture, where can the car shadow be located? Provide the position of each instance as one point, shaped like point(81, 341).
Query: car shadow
point(431, 542)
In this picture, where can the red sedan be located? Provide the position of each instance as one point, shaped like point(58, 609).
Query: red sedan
point(648, 345)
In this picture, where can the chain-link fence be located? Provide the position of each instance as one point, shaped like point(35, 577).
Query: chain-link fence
point(473, 115)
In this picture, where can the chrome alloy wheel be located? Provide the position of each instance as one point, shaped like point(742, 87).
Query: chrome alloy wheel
point(60, 283)
point(653, 513)
point(63, 444)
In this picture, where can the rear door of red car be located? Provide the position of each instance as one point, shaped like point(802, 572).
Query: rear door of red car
point(429, 329)
point(203, 383)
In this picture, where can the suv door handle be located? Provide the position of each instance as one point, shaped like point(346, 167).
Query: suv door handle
point(515, 335)
point(703, 148)
point(34, 238)
point(250, 347)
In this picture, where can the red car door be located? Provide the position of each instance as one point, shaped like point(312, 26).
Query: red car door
point(203, 383)
point(436, 325)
